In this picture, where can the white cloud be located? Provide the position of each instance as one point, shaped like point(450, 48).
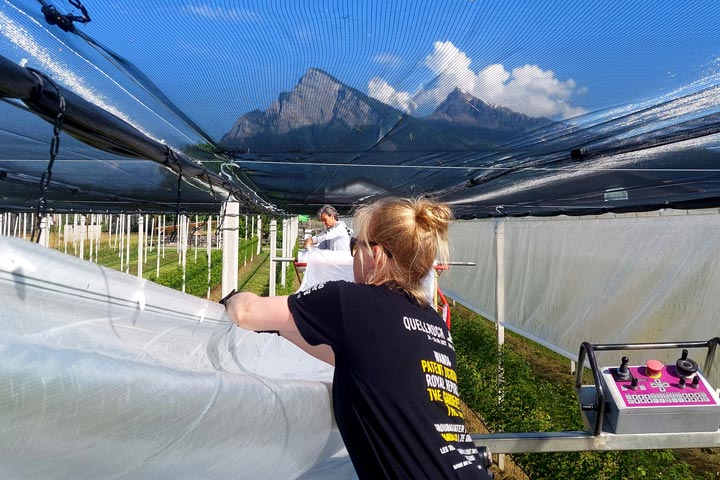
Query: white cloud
point(381, 90)
point(528, 89)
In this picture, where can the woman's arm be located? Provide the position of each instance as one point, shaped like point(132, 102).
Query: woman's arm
point(253, 312)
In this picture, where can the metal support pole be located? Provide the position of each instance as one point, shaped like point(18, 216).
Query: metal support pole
point(500, 311)
point(273, 254)
point(230, 239)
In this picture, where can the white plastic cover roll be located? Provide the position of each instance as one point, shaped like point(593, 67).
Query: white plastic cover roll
point(324, 265)
point(631, 278)
point(104, 375)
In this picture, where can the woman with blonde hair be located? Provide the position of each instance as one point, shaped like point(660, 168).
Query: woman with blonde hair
point(394, 392)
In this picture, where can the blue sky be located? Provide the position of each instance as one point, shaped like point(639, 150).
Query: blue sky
point(218, 60)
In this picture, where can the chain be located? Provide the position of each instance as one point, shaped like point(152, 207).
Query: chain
point(170, 155)
point(54, 149)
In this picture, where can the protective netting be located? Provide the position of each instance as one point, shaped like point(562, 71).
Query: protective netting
point(611, 279)
point(500, 109)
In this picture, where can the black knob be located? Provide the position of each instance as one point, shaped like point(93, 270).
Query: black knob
point(622, 372)
point(634, 384)
point(686, 366)
point(681, 383)
point(696, 381)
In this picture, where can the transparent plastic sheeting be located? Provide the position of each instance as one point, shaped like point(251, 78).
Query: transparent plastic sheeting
point(104, 375)
point(324, 265)
point(630, 278)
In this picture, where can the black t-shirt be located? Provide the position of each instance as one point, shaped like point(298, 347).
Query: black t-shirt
point(394, 388)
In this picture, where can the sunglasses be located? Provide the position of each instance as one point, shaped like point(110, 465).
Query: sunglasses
point(355, 243)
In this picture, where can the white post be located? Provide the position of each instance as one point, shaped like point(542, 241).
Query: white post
point(259, 234)
point(500, 285)
point(44, 221)
point(145, 237)
point(121, 234)
point(252, 234)
point(163, 236)
point(82, 237)
point(141, 244)
point(157, 259)
point(152, 232)
point(245, 249)
point(230, 239)
point(60, 231)
point(183, 230)
point(128, 221)
point(25, 226)
point(75, 233)
point(208, 247)
point(98, 235)
point(500, 310)
point(284, 250)
point(91, 238)
point(195, 237)
point(273, 241)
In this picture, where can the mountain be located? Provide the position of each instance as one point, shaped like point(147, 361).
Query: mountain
point(317, 114)
point(321, 114)
point(461, 108)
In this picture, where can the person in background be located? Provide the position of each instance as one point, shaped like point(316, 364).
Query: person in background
point(394, 391)
point(336, 235)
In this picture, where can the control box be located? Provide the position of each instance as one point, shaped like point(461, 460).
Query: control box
point(658, 398)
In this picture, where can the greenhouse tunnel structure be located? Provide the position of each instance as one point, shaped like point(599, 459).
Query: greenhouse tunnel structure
point(586, 134)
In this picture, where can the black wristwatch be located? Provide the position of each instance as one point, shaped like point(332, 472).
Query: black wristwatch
point(227, 297)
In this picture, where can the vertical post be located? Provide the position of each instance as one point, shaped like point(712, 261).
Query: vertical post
point(146, 227)
point(128, 221)
point(252, 234)
point(500, 288)
point(121, 234)
point(184, 224)
point(195, 237)
point(230, 239)
point(157, 258)
point(163, 237)
point(44, 234)
point(259, 234)
point(141, 244)
point(284, 250)
point(97, 238)
point(152, 232)
point(82, 236)
point(246, 245)
point(208, 246)
point(500, 310)
point(91, 238)
point(75, 233)
point(110, 231)
point(273, 241)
